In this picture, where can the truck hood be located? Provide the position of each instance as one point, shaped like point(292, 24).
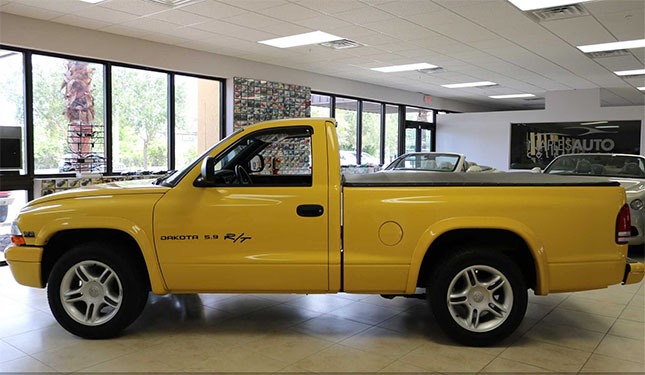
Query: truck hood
point(108, 189)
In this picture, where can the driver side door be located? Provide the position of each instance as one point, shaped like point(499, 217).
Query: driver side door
point(269, 235)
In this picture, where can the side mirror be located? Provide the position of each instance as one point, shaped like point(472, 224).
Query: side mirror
point(536, 170)
point(208, 170)
point(256, 164)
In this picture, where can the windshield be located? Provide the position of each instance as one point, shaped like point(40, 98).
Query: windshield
point(426, 162)
point(599, 165)
point(174, 178)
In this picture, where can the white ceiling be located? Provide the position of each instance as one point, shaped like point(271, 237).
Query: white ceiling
point(472, 40)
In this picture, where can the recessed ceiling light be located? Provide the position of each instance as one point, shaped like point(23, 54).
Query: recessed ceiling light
point(405, 68)
point(469, 84)
point(636, 72)
point(314, 37)
point(628, 44)
point(607, 127)
point(93, 1)
point(542, 4)
point(511, 96)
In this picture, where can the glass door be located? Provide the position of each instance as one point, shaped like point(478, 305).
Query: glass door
point(419, 136)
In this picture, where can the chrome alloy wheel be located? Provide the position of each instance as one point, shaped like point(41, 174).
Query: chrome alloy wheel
point(480, 298)
point(91, 293)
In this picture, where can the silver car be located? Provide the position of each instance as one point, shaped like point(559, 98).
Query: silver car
point(628, 170)
point(435, 162)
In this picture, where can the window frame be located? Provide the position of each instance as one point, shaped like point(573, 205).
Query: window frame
point(13, 181)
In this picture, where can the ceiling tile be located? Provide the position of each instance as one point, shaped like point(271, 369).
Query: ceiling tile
point(254, 4)
point(285, 28)
point(626, 25)
point(323, 22)
point(213, 9)
point(397, 28)
point(70, 19)
point(410, 7)
point(331, 6)
point(570, 30)
point(239, 32)
point(364, 15)
point(252, 20)
point(60, 6)
point(291, 12)
point(28, 11)
point(179, 17)
point(107, 15)
point(137, 7)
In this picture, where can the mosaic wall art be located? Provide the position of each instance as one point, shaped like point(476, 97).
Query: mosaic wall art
point(259, 100)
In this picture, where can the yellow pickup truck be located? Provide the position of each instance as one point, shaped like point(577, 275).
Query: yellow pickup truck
point(266, 210)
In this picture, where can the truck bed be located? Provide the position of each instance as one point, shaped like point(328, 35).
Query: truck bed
point(417, 178)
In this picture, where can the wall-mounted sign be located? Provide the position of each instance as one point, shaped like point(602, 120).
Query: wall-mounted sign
point(536, 144)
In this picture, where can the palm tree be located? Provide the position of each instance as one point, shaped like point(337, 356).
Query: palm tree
point(79, 111)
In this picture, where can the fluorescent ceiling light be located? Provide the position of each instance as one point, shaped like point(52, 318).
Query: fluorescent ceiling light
point(636, 72)
point(641, 88)
point(608, 127)
point(511, 96)
point(405, 68)
point(93, 1)
point(314, 37)
point(469, 84)
point(541, 4)
point(628, 44)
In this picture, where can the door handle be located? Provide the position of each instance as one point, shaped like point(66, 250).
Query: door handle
point(310, 210)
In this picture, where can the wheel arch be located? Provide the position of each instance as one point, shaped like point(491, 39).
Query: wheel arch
point(510, 237)
point(62, 241)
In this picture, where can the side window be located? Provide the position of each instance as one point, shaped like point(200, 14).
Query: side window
point(288, 157)
point(276, 157)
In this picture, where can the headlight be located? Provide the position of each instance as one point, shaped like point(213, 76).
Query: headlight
point(636, 204)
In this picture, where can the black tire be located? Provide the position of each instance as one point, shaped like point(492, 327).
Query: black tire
point(489, 296)
point(104, 291)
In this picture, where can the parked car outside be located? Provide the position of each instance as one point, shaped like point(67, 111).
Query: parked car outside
point(5, 201)
point(626, 169)
point(349, 158)
point(436, 162)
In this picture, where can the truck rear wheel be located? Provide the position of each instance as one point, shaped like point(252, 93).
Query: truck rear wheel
point(478, 297)
point(95, 292)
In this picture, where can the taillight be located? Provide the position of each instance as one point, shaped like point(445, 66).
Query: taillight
point(623, 225)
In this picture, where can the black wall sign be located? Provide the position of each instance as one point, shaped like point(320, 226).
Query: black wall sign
point(536, 144)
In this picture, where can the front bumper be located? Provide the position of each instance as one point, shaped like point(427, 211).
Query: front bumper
point(24, 262)
point(634, 272)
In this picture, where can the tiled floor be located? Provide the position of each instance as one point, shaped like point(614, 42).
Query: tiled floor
point(597, 331)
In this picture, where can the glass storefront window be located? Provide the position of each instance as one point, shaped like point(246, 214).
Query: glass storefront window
point(12, 112)
point(371, 133)
point(346, 118)
point(68, 110)
point(197, 117)
point(391, 132)
point(320, 105)
point(139, 120)
point(418, 114)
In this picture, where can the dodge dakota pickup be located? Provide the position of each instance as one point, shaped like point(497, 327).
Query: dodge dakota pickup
point(266, 210)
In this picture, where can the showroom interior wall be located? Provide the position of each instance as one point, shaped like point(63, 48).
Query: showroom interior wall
point(485, 137)
point(58, 38)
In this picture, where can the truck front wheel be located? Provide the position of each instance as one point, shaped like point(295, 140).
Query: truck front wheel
point(478, 297)
point(95, 292)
